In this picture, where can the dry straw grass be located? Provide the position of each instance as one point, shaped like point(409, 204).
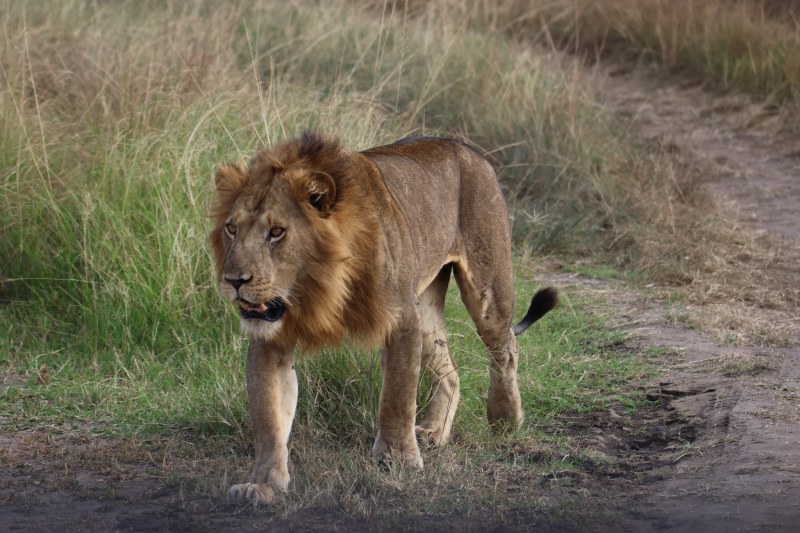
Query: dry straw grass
point(746, 45)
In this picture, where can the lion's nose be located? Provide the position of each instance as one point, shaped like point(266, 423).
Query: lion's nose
point(238, 281)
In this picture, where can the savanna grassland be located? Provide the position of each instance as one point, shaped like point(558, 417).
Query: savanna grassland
point(115, 115)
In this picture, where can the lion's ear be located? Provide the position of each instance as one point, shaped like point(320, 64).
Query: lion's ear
point(321, 191)
point(229, 179)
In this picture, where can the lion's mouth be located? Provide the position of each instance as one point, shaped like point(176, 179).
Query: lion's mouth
point(272, 311)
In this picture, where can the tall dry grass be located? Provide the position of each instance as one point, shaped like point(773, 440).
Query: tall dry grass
point(744, 45)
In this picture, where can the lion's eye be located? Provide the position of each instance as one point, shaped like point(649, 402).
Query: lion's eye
point(230, 229)
point(276, 233)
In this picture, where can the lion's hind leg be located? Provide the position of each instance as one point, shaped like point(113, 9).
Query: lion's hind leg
point(488, 293)
point(435, 425)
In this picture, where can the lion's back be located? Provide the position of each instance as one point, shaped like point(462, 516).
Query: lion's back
point(443, 187)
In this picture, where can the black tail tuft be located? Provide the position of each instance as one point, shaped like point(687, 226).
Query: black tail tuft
point(543, 301)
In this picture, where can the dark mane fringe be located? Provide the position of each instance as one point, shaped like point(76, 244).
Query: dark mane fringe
point(339, 295)
point(311, 150)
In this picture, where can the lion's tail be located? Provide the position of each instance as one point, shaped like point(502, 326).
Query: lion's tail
point(543, 301)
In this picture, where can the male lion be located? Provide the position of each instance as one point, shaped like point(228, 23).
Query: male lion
point(316, 244)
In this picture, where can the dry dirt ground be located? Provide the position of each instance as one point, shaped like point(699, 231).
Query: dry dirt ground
point(740, 469)
point(720, 449)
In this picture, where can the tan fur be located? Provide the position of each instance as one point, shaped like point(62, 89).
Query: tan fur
point(361, 246)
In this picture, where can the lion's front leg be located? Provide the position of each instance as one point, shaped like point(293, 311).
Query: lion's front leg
point(400, 362)
point(272, 392)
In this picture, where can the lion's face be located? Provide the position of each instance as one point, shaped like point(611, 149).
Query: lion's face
point(267, 241)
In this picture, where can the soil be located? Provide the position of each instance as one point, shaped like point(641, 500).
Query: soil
point(720, 449)
point(740, 471)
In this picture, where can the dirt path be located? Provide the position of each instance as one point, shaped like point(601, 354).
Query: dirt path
point(723, 450)
point(751, 161)
point(741, 471)
point(722, 447)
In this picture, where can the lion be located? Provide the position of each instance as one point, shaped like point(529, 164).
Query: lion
point(316, 244)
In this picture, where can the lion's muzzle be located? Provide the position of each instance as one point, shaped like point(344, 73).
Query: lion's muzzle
point(272, 311)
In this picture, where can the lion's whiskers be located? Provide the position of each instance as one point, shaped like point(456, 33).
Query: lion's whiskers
point(285, 297)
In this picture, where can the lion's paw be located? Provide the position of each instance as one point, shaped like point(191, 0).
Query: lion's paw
point(255, 493)
point(429, 438)
point(407, 455)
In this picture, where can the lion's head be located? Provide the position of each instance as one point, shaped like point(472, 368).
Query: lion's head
point(292, 246)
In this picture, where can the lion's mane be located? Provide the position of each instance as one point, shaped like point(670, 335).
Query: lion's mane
point(338, 295)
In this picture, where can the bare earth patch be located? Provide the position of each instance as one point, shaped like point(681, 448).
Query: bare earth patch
point(724, 447)
point(717, 448)
point(742, 471)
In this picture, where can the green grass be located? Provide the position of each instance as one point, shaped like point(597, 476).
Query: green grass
point(600, 271)
point(569, 362)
